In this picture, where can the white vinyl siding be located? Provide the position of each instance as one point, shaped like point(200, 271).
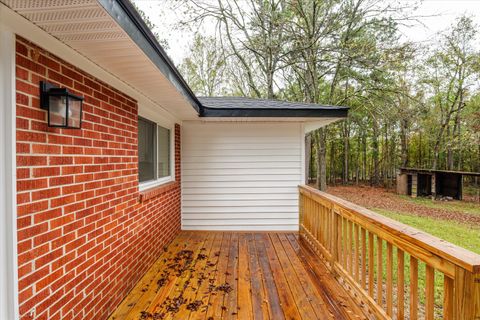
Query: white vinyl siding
point(241, 176)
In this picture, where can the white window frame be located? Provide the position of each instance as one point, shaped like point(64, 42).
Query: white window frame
point(170, 126)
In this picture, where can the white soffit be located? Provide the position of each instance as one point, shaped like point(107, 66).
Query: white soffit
point(316, 123)
point(86, 27)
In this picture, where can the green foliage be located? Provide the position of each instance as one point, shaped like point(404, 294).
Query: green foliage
point(411, 104)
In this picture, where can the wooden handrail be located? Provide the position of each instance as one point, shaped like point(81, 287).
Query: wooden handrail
point(337, 230)
point(444, 249)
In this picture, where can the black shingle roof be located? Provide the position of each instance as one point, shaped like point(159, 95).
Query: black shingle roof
point(249, 107)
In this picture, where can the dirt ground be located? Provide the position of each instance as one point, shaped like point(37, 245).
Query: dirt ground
point(374, 197)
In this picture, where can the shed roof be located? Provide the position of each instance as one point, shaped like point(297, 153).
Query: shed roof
point(250, 107)
point(431, 171)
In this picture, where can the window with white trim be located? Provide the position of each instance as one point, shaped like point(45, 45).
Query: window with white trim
point(154, 153)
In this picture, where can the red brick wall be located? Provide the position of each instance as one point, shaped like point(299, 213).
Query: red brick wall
point(85, 234)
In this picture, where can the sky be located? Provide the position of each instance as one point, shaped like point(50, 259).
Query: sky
point(435, 15)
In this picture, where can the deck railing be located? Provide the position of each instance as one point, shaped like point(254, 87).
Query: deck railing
point(395, 270)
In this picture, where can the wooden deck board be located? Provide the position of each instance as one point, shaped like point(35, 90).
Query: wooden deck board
point(207, 275)
point(258, 293)
point(215, 304)
point(245, 291)
point(230, 275)
point(140, 297)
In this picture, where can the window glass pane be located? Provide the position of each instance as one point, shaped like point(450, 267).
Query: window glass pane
point(58, 110)
point(146, 150)
point(74, 112)
point(163, 152)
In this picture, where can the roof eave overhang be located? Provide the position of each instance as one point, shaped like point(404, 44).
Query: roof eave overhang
point(127, 17)
point(274, 113)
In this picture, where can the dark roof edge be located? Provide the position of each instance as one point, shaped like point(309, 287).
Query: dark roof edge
point(275, 112)
point(420, 170)
point(125, 14)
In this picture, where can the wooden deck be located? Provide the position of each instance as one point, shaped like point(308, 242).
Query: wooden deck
point(228, 275)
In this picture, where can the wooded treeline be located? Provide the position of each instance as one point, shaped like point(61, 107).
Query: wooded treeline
point(411, 104)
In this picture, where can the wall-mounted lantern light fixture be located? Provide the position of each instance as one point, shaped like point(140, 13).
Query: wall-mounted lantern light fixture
point(64, 108)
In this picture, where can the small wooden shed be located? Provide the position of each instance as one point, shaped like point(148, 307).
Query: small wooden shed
point(436, 183)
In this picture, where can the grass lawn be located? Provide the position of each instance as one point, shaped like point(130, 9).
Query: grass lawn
point(463, 206)
point(457, 233)
point(462, 235)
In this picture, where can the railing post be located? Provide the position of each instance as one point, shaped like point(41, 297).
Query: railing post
point(476, 298)
point(467, 295)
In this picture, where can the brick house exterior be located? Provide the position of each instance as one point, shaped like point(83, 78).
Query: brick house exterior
point(85, 232)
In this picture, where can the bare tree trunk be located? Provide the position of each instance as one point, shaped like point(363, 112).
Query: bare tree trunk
point(404, 142)
point(364, 152)
point(450, 137)
point(375, 160)
point(420, 148)
point(445, 124)
point(357, 160)
point(332, 162)
point(393, 157)
point(386, 157)
point(308, 157)
point(321, 160)
point(478, 160)
point(346, 151)
point(436, 154)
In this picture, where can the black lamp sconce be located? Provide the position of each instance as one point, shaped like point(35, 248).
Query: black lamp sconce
point(64, 109)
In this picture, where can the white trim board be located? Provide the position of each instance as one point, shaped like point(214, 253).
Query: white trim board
point(8, 212)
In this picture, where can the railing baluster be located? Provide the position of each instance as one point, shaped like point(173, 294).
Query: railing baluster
point(364, 258)
point(429, 292)
point(325, 225)
point(311, 208)
point(317, 219)
point(389, 279)
point(371, 263)
point(307, 213)
point(413, 288)
point(349, 246)
point(320, 223)
point(357, 253)
point(339, 238)
point(344, 243)
point(335, 236)
point(314, 219)
point(328, 219)
point(379, 271)
point(400, 285)
point(328, 235)
point(448, 286)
